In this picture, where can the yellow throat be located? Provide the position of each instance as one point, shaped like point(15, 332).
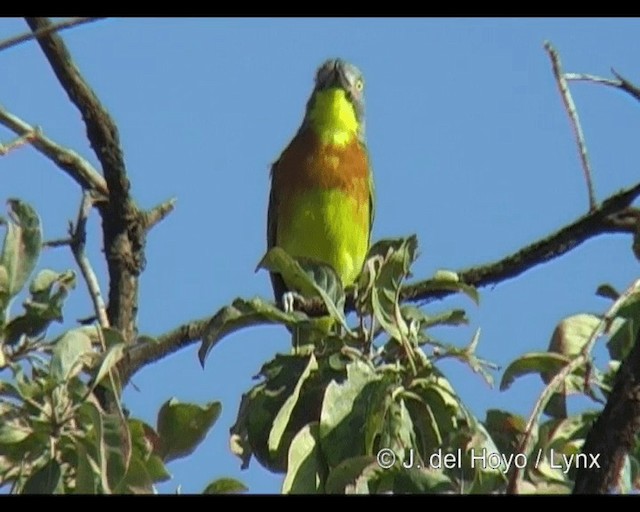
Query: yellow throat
point(333, 117)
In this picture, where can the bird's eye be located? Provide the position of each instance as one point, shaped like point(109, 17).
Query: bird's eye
point(359, 84)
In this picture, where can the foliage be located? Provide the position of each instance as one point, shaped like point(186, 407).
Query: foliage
point(365, 408)
point(55, 436)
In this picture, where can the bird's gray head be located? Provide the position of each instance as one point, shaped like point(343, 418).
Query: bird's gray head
point(340, 74)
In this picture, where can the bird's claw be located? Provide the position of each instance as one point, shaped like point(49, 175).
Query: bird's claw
point(288, 300)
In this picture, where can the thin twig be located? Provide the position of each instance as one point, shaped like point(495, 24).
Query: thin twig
point(78, 242)
point(158, 213)
point(573, 116)
point(69, 161)
point(585, 77)
point(627, 86)
point(620, 83)
point(55, 27)
point(18, 142)
point(59, 242)
point(559, 378)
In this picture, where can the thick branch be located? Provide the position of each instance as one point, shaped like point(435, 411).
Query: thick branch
point(122, 231)
point(69, 161)
point(148, 352)
point(608, 218)
point(613, 216)
point(613, 434)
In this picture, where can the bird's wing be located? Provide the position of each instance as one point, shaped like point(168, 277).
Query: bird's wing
point(277, 282)
point(372, 197)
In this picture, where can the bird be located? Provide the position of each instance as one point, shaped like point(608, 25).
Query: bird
point(322, 197)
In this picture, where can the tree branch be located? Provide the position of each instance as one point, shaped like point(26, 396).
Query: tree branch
point(608, 218)
point(123, 234)
point(144, 353)
point(54, 27)
point(620, 83)
point(570, 107)
point(158, 213)
point(79, 169)
point(526, 444)
point(78, 240)
point(613, 434)
point(613, 216)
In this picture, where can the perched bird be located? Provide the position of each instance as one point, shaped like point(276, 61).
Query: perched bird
point(321, 204)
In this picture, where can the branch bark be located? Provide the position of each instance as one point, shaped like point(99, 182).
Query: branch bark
point(613, 434)
point(54, 27)
point(123, 233)
point(79, 169)
point(613, 216)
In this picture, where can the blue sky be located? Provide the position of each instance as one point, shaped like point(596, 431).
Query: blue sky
point(471, 149)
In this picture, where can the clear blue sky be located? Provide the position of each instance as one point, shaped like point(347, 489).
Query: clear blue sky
point(471, 148)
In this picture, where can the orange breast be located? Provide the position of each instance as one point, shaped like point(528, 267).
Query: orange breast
point(308, 164)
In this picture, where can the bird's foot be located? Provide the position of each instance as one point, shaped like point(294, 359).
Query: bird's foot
point(288, 301)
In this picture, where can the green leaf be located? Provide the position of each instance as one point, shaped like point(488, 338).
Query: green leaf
point(420, 480)
point(43, 307)
point(22, 245)
point(622, 339)
point(573, 333)
point(343, 413)
point(305, 467)
point(347, 473)
point(86, 471)
point(42, 285)
point(4, 292)
point(182, 427)
point(533, 362)
point(284, 414)
point(13, 431)
point(242, 313)
point(225, 486)
point(110, 441)
point(450, 317)
point(68, 352)
point(396, 258)
point(47, 480)
point(109, 361)
point(607, 291)
point(310, 279)
point(505, 429)
point(446, 280)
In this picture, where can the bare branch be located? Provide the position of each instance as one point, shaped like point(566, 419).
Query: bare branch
point(55, 27)
point(60, 242)
point(620, 83)
point(627, 86)
point(613, 216)
point(573, 116)
point(123, 233)
point(555, 383)
point(158, 213)
point(79, 169)
point(78, 242)
point(16, 143)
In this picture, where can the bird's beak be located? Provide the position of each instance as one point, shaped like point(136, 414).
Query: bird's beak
point(339, 78)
